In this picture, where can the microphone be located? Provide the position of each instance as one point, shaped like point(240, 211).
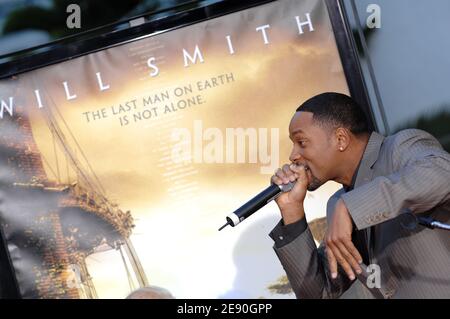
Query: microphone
point(257, 202)
point(409, 220)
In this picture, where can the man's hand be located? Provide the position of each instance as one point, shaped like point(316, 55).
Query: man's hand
point(339, 245)
point(291, 203)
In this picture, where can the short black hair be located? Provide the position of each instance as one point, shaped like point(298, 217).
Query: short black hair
point(337, 110)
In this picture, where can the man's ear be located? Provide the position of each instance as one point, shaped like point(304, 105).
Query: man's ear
point(342, 136)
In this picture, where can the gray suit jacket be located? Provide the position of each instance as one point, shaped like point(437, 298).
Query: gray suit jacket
point(405, 171)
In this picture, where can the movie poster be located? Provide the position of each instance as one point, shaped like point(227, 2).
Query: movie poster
point(118, 167)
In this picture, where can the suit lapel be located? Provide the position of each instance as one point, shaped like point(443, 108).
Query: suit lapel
point(370, 156)
point(364, 175)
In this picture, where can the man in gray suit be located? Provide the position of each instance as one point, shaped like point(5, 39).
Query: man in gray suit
point(372, 236)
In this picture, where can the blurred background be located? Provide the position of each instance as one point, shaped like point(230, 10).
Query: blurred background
point(28, 23)
point(405, 63)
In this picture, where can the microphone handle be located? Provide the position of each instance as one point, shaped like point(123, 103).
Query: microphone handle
point(259, 201)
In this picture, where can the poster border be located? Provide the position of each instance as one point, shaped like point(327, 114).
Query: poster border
point(90, 42)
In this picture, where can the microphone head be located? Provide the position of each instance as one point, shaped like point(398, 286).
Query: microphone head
point(408, 221)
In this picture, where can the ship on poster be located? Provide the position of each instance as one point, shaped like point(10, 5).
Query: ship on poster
point(119, 166)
